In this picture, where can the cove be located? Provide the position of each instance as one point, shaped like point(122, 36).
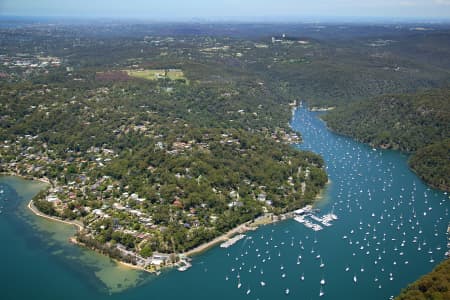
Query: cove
point(391, 230)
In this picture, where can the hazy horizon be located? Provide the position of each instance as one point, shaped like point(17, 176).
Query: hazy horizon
point(232, 10)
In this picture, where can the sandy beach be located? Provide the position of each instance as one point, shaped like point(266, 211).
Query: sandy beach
point(38, 213)
point(43, 180)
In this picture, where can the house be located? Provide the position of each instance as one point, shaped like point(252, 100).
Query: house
point(235, 203)
point(262, 197)
point(98, 212)
point(234, 194)
point(52, 198)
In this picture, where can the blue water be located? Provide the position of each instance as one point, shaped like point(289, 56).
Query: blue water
point(388, 223)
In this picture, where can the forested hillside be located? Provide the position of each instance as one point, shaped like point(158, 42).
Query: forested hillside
point(433, 286)
point(432, 164)
point(415, 123)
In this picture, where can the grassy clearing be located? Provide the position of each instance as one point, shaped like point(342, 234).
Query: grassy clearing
point(155, 74)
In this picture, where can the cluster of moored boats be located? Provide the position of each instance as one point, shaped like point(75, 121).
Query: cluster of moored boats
point(400, 229)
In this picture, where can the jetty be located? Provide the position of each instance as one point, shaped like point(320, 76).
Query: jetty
point(184, 265)
point(232, 241)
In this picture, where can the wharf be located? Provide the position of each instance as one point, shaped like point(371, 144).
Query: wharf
point(232, 241)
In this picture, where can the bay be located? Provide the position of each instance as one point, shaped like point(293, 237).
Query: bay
point(389, 222)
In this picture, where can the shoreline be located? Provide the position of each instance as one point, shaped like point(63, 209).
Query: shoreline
point(123, 264)
point(242, 228)
point(321, 195)
point(73, 240)
point(221, 238)
point(37, 212)
point(13, 174)
point(250, 225)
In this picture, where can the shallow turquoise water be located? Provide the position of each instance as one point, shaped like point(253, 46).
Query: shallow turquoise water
point(385, 212)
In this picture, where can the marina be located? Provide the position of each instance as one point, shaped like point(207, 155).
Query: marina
point(302, 216)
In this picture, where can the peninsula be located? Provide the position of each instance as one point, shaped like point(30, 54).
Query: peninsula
point(153, 158)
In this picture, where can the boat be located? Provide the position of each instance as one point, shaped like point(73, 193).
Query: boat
point(263, 283)
point(184, 268)
point(321, 263)
point(354, 279)
point(239, 284)
point(322, 281)
point(302, 277)
point(248, 291)
point(286, 291)
point(321, 293)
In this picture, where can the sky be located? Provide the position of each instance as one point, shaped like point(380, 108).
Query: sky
point(228, 9)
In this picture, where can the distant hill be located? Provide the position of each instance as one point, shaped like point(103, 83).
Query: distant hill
point(414, 123)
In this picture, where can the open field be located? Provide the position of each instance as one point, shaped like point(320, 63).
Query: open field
point(155, 74)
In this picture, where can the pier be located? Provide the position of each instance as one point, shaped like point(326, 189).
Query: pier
point(232, 241)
